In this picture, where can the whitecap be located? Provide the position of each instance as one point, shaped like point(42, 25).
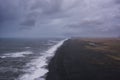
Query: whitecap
point(36, 69)
point(16, 54)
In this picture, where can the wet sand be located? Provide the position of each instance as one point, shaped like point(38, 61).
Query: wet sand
point(86, 59)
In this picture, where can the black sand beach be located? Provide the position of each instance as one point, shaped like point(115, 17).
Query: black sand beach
point(86, 59)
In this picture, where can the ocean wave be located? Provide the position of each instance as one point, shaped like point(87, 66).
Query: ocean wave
point(36, 68)
point(16, 54)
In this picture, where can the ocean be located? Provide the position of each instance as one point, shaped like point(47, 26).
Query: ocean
point(26, 59)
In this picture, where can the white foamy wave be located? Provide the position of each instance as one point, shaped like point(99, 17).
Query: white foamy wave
point(51, 41)
point(36, 68)
point(16, 54)
point(27, 47)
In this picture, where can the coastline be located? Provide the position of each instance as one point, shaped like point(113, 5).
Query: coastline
point(81, 59)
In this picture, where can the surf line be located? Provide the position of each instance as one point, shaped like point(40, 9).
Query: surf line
point(37, 70)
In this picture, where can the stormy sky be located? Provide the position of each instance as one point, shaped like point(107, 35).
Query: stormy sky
point(59, 18)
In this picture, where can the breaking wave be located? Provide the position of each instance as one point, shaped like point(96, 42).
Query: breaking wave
point(16, 54)
point(36, 68)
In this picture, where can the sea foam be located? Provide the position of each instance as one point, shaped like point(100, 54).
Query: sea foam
point(16, 54)
point(36, 68)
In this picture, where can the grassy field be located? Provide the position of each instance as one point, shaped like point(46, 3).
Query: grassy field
point(105, 44)
point(110, 47)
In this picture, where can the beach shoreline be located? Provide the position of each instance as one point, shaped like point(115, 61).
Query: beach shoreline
point(86, 59)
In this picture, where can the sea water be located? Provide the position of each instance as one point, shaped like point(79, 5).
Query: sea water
point(26, 59)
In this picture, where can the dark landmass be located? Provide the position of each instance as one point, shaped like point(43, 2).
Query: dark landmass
point(86, 59)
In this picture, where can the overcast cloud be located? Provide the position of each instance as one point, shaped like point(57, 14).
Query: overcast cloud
point(59, 18)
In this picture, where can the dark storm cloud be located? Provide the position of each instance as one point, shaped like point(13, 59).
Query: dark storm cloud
point(6, 12)
point(29, 22)
point(9, 14)
point(61, 17)
point(117, 1)
point(44, 11)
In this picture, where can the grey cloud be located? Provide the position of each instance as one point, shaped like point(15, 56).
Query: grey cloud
point(29, 23)
point(43, 11)
point(6, 13)
point(117, 1)
point(9, 12)
point(48, 7)
point(64, 17)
